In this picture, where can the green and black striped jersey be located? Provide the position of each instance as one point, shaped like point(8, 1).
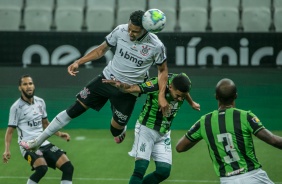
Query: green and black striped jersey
point(228, 134)
point(150, 116)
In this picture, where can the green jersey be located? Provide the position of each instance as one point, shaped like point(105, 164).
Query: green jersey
point(150, 116)
point(228, 134)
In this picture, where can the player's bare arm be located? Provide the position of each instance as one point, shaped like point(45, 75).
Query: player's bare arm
point(162, 80)
point(126, 88)
point(192, 103)
point(184, 144)
point(8, 140)
point(63, 135)
point(268, 137)
point(93, 55)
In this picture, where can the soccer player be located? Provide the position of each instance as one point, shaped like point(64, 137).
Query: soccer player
point(28, 115)
point(152, 130)
point(228, 134)
point(136, 51)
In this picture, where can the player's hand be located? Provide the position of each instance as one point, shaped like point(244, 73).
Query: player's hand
point(6, 156)
point(114, 83)
point(164, 106)
point(196, 106)
point(73, 68)
point(65, 136)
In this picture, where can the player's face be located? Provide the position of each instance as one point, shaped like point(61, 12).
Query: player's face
point(135, 32)
point(176, 94)
point(27, 87)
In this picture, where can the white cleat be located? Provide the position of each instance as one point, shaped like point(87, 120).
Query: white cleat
point(30, 145)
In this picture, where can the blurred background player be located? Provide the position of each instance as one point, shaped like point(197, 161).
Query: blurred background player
point(152, 130)
point(28, 115)
point(228, 134)
point(136, 51)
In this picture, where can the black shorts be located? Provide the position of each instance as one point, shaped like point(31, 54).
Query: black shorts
point(50, 153)
point(96, 94)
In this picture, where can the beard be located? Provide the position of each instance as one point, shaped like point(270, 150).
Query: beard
point(28, 96)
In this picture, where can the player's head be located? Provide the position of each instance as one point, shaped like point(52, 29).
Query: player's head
point(26, 86)
point(135, 27)
point(180, 86)
point(226, 91)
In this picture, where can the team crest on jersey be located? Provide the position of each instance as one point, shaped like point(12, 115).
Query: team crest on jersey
point(255, 120)
point(145, 50)
point(83, 93)
point(149, 84)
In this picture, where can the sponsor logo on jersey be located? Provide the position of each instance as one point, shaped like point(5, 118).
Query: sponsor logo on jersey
point(145, 50)
point(149, 84)
point(255, 120)
point(83, 93)
point(128, 56)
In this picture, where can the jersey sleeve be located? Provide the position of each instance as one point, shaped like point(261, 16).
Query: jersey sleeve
point(194, 133)
point(255, 124)
point(150, 86)
point(160, 55)
point(112, 38)
point(13, 116)
point(44, 111)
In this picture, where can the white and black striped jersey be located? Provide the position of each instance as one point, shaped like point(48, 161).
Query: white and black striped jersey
point(132, 59)
point(27, 118)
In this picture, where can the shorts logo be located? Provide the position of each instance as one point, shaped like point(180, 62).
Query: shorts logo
point(143, 147)
point(145, 50)
point(83, 93)
point(255, 120)
point(54, 149)
point(121, 116)
point(149, 84)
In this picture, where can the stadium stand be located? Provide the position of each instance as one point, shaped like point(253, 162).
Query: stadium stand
point(193, 15)
point(97, 13)
point(224, 15)
point(125, 7)
point(256, 15)
point(104, 15)
point(169, 8)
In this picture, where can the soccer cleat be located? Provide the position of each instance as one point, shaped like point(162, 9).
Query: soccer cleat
point(118, 139)
point(30, 145)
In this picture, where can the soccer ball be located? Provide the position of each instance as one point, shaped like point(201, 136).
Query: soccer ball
point(154, 20)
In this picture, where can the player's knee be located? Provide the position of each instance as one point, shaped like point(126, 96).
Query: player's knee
point(162, 170)
point(67, 169)
point(140, 168)
point(39, 173)
point(75, 110)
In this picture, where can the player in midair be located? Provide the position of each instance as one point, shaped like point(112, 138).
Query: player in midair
point(136, 51)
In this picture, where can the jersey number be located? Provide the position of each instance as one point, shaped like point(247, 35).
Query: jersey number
point(232, 155)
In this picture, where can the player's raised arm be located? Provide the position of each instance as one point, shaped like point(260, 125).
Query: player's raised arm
point(95, 54)
point(126, 88)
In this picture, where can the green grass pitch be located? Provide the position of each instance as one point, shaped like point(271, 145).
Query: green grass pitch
point(99, 160)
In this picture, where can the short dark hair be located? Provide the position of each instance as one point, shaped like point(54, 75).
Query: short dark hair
point(23, 76)
point(182, 83)
point(136, 18)
point(226, 91)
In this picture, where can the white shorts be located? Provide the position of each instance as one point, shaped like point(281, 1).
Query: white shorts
point(149, 143)
point(257, 176)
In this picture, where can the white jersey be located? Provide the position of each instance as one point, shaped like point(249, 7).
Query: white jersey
point(27, 118)
point(132, 59)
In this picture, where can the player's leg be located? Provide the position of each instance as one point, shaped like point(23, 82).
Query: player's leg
point(122, 105)
point(38, 164)
point(144, 139)
point(163, 158)
point(57, 158)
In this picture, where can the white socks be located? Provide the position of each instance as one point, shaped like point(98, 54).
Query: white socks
point(66, 182)
point(29, 181)
point(61, 120)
